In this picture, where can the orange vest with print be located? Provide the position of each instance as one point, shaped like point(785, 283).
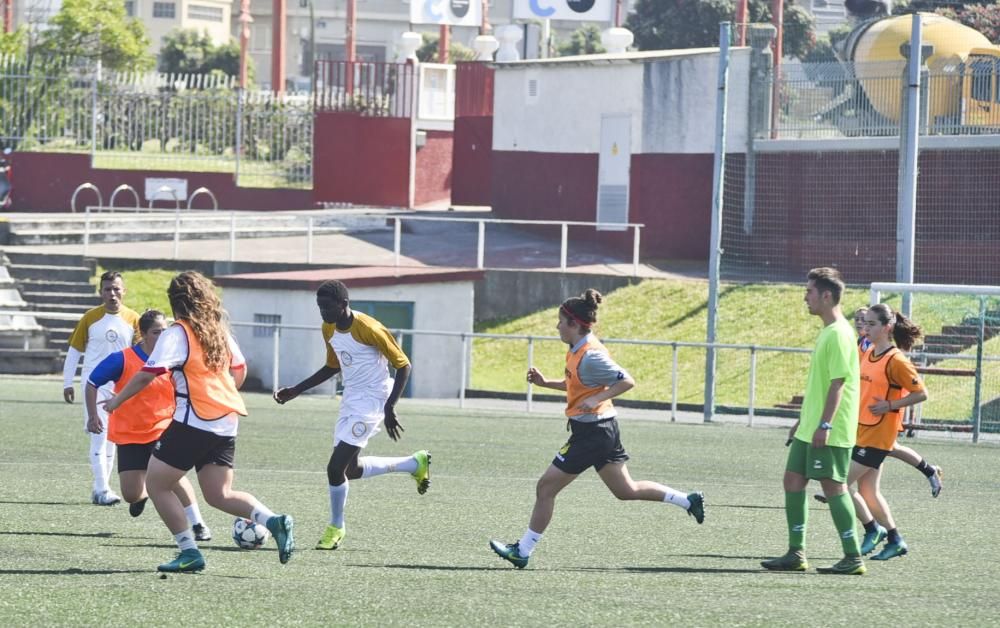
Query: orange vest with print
point(880, 431)
point(142, 418)
point(575, 390)
point(211, 394)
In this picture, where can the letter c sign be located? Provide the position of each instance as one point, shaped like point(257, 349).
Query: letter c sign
point(539, 10)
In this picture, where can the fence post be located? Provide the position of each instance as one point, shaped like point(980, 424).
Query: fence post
point(93, 113)
point(673, 384)
point(232, 236)
point(464, 369)
point(531, 360)
point(238, 149)
point(86, 232)
point(977, 410)
point(276, 363)
point(177, 233)
point(481, 246)
point(309, 239)
point(563, 245)
point(753, 384)
point(635, 252)
point(397, 236)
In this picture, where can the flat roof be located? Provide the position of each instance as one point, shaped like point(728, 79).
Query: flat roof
point(354, 277)
point(609, 58)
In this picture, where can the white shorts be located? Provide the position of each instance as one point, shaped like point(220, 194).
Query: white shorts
point(360, 419)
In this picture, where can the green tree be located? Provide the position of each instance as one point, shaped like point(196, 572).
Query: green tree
point(98, 29)
point(14, 43)
point(670, 24)
point(428, 51)
point(192, 51)
point(585, 40)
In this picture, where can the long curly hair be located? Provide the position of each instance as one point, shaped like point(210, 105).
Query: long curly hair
point(193, 299)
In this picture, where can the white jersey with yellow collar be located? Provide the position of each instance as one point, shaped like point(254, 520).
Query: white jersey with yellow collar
point(363, 354)
point(101, 333)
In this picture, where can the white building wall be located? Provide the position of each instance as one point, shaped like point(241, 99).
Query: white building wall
point(671, 97)
point(436, 359)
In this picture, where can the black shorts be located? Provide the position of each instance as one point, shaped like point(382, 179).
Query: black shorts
point(869, 456)
point(182, 447)
point(134, 457)
point(590, 445)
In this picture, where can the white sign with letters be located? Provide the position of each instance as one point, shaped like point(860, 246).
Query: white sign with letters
point(451, 12)
point(584, 10)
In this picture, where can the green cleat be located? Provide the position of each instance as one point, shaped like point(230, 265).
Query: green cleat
point(697, 507)
point(846, 566)
point(332, 538)
point(280, 527)
point(793, 560)
point(423, 473)
point(872, 539)
point(892, 550)
point(511, 553)
point(188, 560)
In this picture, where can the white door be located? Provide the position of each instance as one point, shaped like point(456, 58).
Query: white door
point(613, 171)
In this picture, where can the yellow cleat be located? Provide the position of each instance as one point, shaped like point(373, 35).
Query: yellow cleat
point(332, 538)
point(423, 473)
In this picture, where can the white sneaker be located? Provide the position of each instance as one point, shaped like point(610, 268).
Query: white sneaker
point(105, 498)
point(935, 481)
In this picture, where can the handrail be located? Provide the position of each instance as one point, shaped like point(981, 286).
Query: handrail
point(80, 188)
point(162, 189)
point(204, 190)
point(122, 188)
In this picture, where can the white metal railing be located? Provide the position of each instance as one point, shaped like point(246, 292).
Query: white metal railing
point(225, 224)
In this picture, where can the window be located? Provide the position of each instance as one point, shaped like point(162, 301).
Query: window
point(982, 78)
point(165, 10)
point(204, 13)
point(267, 319)
point(130, 8)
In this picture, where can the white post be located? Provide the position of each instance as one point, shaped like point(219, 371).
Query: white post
point(635, 252)
point(465, 371)
point(531, 361)
point(276, 363)
point(753, 383)
point(715, 246)
point(86, 232)
point(177, 233)
point(673, 385)
point(232, 236)
point(909, 138)
point(309, 241)
point(481, 246)
point(563, 245)
point(397, 236)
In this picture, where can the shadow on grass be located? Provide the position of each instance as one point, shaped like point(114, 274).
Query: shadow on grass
point(31, 503)
point(72, 571)
point(94, 535)
point(423, 567)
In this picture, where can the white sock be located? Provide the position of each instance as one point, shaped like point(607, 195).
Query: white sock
point(527, 543)
point(338, 500)
point(185, 540)
point(110, 449)
point(376, 465)
point(261, 514)
point(193, 514)
point(97, 461)
point(677, 498)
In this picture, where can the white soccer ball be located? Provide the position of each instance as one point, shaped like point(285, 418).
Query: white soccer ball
point(249, 534)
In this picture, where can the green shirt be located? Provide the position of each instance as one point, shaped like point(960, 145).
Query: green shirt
point(835, 357)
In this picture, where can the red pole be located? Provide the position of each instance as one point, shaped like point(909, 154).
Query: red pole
point(618, 13)
point(485, 28)
point(352, 22)
point(741, 22)
point(278, 45)
point(8, 16)
point(444, 43)
point(778, 19)
point(245, 20)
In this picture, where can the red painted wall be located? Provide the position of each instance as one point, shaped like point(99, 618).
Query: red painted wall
point(46, 181)
point(472, 160)
point(362, 160)
point(670, 194)
point(434, 170)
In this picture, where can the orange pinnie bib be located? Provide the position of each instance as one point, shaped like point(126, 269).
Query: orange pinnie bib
point(211, 394)
point(575, 390)
point(142, 418)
